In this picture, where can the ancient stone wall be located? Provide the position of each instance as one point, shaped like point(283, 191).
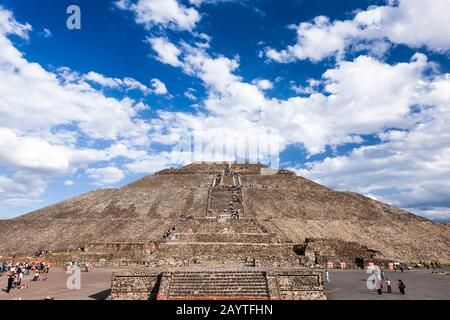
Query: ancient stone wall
point(134, 286)
point(218, 284)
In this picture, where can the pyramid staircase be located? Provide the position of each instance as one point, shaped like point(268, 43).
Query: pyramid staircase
point(217, 285)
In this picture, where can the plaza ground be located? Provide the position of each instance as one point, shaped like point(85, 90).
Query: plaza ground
point(420, 284)
point(344, 284)
point(95, 285)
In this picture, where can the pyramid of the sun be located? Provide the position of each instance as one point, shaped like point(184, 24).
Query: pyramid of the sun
point(224, 231)
point(275, 207)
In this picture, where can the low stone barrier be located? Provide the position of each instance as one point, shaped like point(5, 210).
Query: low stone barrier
point(280, 284)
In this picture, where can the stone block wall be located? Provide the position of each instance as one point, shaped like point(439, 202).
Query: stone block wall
point(135, 286)
point(281, 285)
point(296, 285)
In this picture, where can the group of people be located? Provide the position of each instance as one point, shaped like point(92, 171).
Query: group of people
point(400, 284)
point(16, 272)
point(433, 265)
point(169, 232)
point(87, 267)
point(186, 217)
point(233, 210)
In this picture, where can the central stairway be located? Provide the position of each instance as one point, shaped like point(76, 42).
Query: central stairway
point(217, 285)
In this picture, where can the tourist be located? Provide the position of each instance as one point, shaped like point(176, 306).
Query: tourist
point(388, 284)
point(20, 277)
point(401, 269)
point(401, 286)
point(379, 287)
point(36, 276)
point(10, 283)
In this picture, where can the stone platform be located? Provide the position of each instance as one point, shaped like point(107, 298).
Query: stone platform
point(218, 283)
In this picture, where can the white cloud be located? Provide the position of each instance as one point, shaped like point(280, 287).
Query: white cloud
point(167, 52)
point(414, 23)
point(9, 25)
point(263, 84)
point(102, 80)
point(316, 40)
point(51, 123)
point(115, 83)
point(159, 87)
point(165, 13)
point(23, 189)
point(200, 2)
point(68, 183)
point(105, 176)
point(35, 99)
point(409, 168)
point(47, 33)
point(190, 94)
point(360, 97)
point(312, 87)
point(151, 163)
point(19, 187)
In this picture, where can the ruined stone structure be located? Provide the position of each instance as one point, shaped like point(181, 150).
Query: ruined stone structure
point(194, 230)
point(248, 284)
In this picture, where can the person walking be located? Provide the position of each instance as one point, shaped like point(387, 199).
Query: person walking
point(379, 287)
point(327, 276)
point(388, 284)
point(401, 286)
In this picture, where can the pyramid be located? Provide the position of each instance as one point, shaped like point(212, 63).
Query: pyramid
point(291, 207)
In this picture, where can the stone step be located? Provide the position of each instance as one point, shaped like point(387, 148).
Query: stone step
point(219, 287)
point(222, 237)
point(218, 292)
point(213, 282)
point(218, 283)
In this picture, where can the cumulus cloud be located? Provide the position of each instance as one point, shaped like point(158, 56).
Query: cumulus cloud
point(106, 175)
point(190, 94)
point(354, 99)
point(263, 84)
point(414, 23)
point(409, 168)
point(165, 13)
point(9, 25)
point(159, 87)
point(167, 52)
point(359, 97)
point(51, 122)
point(115, 83)
point(69, 183)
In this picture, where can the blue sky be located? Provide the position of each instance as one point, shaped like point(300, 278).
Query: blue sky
point(357, 91)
